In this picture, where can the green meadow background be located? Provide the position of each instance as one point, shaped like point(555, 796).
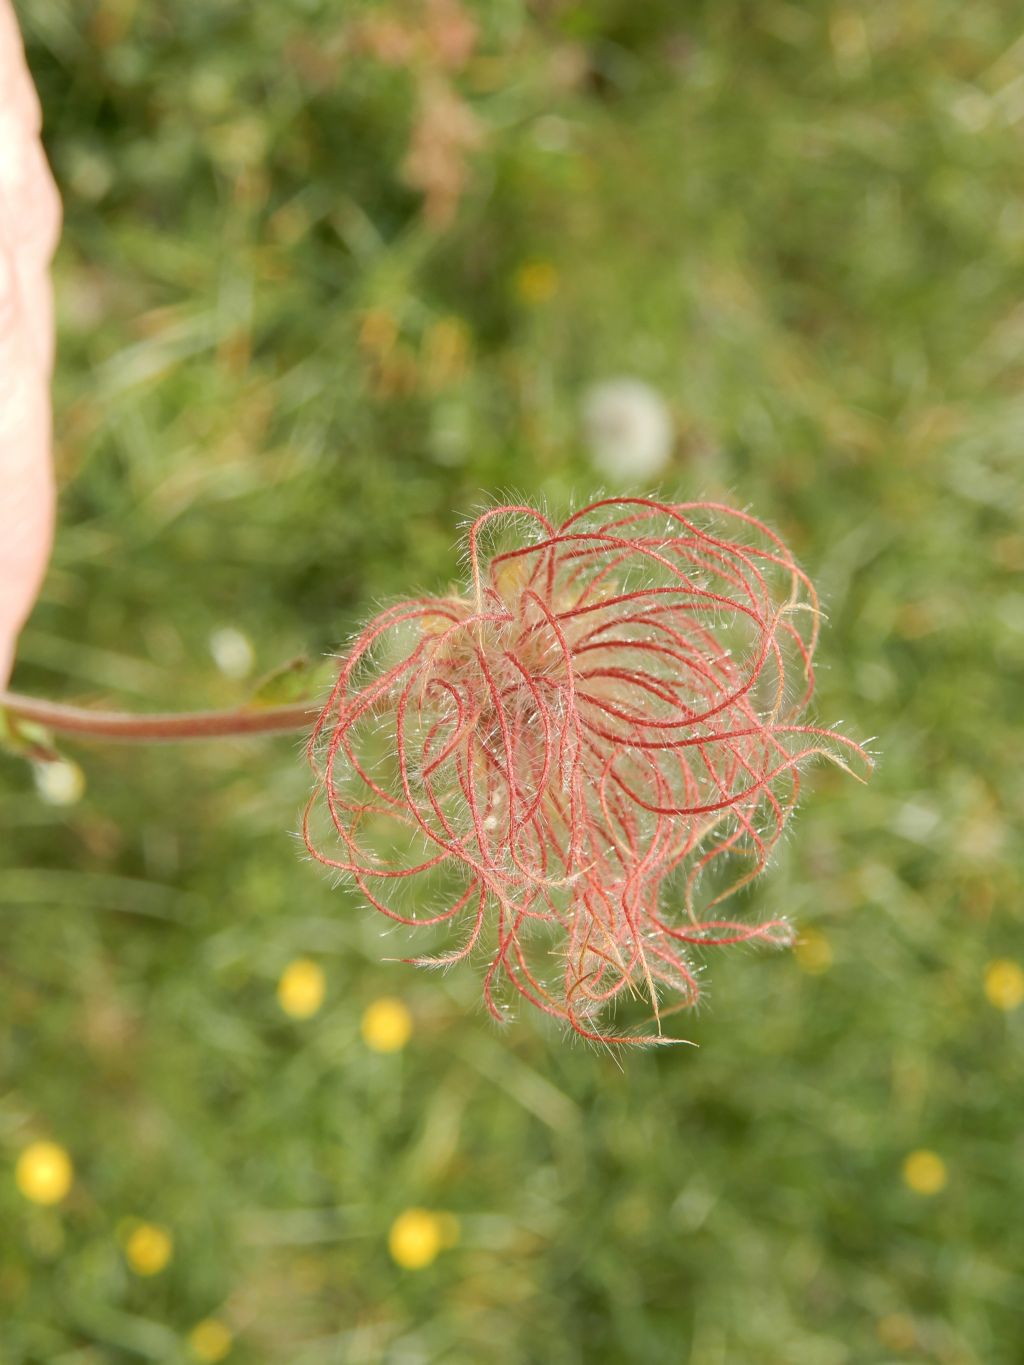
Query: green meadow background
point(332, 276)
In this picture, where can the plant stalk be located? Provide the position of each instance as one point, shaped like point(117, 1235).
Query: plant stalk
point(167, 727)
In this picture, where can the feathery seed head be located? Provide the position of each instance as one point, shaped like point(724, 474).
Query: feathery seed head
point(605, 722)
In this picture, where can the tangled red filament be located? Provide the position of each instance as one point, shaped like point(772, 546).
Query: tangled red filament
point(557, 760)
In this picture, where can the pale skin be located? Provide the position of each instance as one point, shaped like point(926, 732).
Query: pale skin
point(29, 227)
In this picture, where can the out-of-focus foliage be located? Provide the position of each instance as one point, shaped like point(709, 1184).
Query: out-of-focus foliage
point(331, 275)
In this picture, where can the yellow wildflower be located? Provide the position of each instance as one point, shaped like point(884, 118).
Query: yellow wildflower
point(210, 1340)
point(44, 1173)
point(1004, 984)
point(148, 1248)
point(387, 1025)
point(300, 991)
point(418, 1235)
point(925, 1172)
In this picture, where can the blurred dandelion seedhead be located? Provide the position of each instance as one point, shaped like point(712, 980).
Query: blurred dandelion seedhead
point(628, 427)
point(573, 763)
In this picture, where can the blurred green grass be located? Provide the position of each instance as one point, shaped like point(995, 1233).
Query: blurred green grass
point(283, 378)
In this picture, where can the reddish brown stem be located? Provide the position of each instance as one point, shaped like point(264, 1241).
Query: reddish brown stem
point(165, 727)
